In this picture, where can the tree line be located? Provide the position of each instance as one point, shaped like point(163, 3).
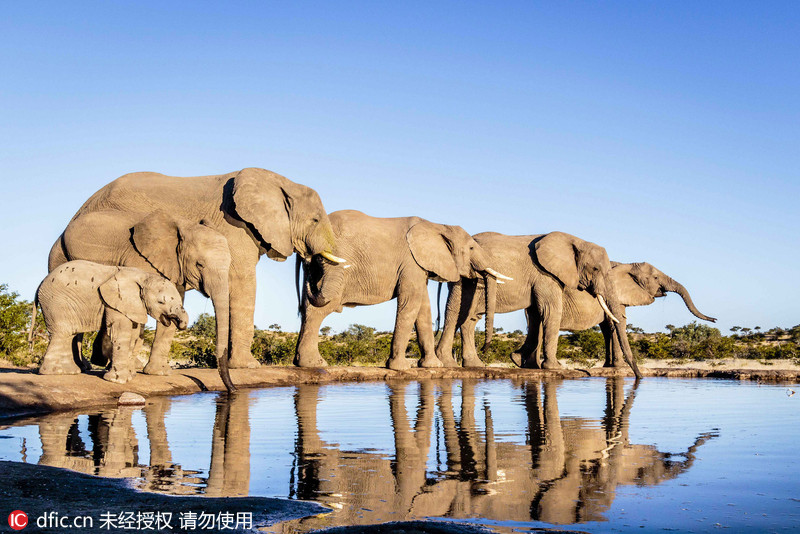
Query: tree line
point(364, 345)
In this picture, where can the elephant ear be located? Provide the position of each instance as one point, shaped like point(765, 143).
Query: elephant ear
point(433, 251)
point(262, 201)
point(123, 293)
point(628, 290)
point(556, 253)
point(156, 237)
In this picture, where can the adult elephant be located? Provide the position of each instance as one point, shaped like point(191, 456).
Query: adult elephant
point(636, 284)
point(190, 254)
point(256, 211)
point(388, 258)
point(541, 266)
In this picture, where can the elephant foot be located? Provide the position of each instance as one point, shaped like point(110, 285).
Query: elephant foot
point(157, 368)
point(310, 361)
point(244, 362)
point(551, 364)
point(473, 362)
point(523, 362)
point(119, 376)
point(399, 364)
point(448, 361)
point(59, 367)
point(430, 362)
point(84, 365)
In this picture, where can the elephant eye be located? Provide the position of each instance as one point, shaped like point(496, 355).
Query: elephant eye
point(315, 220)
point(200, 265)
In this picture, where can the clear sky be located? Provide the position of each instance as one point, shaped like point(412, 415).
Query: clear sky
point(667, 132)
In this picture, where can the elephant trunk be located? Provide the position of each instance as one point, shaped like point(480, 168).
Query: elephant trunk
point(318, 279)
point(490, 296)
point(675, 287)
point(438, 308)
point(298, 264)
point(220, 297)
point(621, 331)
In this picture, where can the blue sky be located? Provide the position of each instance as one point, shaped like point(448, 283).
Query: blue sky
point(667, 132)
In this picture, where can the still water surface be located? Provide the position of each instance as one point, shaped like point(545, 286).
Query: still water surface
point(592, 455)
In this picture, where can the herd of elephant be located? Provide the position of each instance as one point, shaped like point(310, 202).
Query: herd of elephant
point(139, 243)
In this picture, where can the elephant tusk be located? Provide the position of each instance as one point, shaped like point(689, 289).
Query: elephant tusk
point(603, 305)
point(331, 258)
point(497, 275)
point(500, 282)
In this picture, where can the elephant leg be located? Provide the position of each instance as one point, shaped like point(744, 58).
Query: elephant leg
point(122, 331)
point(407, 310)
point(423, 325)
point(307, 351)
point(243, 305)
point(58, 360)
point(610, 339)
point(77, 354)
point(551, 321)
point(617, 356)
point(101, 348)
point(469, 352)
point(159, 353)
point(139, 359)
point(458, 299)
point(528, 354)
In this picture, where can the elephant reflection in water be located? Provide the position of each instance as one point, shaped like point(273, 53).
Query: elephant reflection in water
point(115, 449)
point(349, 481)
point(567, 472)
point(229, 474)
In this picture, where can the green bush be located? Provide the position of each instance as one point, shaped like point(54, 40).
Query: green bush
point(357, 344)
point(274, 348)
point(15, 320)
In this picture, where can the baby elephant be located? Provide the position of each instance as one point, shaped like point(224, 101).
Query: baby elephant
point(79, 296)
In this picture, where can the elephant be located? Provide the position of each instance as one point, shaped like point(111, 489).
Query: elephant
point(388, 258)
point(636, 284)
point(80, 296)
point(190, 254)
point(542, 266)
point(255, 210)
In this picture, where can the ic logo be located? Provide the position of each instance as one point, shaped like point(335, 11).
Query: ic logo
point(18, 519)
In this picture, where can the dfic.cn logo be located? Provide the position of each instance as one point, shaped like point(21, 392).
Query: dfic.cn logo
point(18, 519)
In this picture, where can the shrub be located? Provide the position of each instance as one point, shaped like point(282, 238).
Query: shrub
point(273, 348)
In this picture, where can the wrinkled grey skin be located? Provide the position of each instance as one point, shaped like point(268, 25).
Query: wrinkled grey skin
point(636, 284)
point(81, 296)
point(191, 255)
point(387, 258)
point(254, 210)
point(541, 266)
